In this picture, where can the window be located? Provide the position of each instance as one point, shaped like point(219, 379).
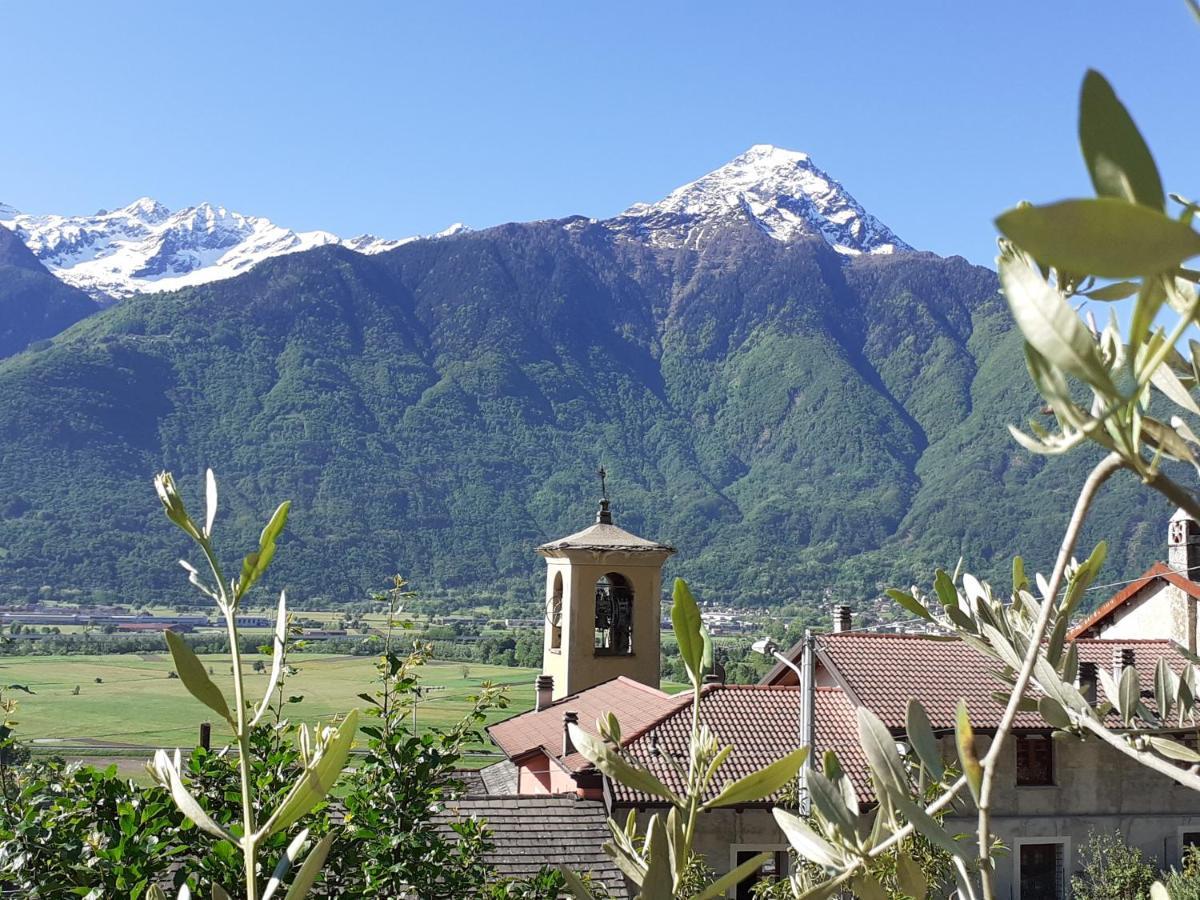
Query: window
point(775, 867)
point(1042, 868)
point(554, 613)
point(614, 616)
point(1035, 760)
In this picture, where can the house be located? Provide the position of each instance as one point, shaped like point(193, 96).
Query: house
point(1049, 795)
point(1162, 602)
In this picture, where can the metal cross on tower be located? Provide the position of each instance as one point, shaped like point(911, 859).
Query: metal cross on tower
point(603, 484)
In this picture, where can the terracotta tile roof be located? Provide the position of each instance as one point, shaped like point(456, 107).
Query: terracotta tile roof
point(532, 832)
point(761, 722)
point(1156, 572)
point(882, 671)
point(636, 705)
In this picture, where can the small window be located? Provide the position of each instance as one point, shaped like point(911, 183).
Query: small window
point(1042, 871)
point(614, 616)
point(773, 868)
point(554, 613)
point(1035, 760)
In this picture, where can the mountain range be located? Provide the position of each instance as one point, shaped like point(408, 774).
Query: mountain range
point(806, 406)
point(146, 247)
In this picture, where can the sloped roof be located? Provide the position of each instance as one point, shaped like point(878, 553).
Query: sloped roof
point(532, 832)
point(884, 671)
point(1158, 571)
point(604, 537)
point(761, 722)
point(636, 705)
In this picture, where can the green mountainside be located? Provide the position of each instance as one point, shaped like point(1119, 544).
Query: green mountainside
point(34, 305)
point(799, 423)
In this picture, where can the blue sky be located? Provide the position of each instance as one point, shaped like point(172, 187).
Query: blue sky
point(398, 119)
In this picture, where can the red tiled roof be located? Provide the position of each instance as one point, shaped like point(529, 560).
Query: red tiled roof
point(883, 671)
point(636, 705)
point(761, 722)
point(1154, 573)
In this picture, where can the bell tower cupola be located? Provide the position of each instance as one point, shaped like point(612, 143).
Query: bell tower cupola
point(603, 605)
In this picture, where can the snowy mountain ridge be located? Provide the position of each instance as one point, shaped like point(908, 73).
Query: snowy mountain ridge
point(146, 247)
point(779, 191)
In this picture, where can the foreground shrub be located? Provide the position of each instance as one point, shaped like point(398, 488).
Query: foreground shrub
point(1111, 870)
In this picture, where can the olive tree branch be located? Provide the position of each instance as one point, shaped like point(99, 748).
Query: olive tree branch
point(1103, 470)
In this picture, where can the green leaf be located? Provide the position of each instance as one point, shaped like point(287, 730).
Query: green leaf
point(658, 880)
point(280, 642)
point(685, 620)
point(1054, 713)
point(256, 562)
point(219, 893)
point(706, 657)
point(866, 887)
point(910, 603)
point(879, 745)
point(210, 496)
point(612, 764)
point(316, 780)
point(1019, 581)
point(944, 588)
point(194, 677)
point(722, 885)
point(1050, 326)
point(311, 868)
point(805, 841)
point(1174, 750)
point(964, 738)
point(827, 798)
point(1104, 237)
point(1116, 154)
point(909, 877)
point(923, 740)
point(761, 784)
point(290, 855)
point(1164, 687)
point(1130, 691)
point(575, 885)
point(1118, 290)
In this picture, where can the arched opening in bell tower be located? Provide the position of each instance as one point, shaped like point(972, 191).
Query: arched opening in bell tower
point(614, 616)
point(554, 610)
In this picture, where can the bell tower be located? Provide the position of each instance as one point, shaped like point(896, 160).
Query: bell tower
point(603, 605)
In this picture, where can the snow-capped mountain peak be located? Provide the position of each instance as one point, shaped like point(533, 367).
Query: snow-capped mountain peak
point(780, 191)
point(146, 247)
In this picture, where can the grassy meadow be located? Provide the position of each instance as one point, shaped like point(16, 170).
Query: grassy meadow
point(137, 705)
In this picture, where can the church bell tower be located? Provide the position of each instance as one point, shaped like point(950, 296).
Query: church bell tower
point(603, 605)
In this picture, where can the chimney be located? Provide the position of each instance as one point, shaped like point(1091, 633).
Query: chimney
point(1183, 557)
point(1123, 657)
point(1089, 675)
point(569, 718)
point(843, 619)
point(543, 685)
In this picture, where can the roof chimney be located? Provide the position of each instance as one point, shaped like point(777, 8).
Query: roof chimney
point(543, 685)
point(1123, 658)
point(1089, 674)
point(1183, 545)
point(843, 618)
point(569, 718)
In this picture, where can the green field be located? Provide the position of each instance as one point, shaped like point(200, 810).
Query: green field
point(137, 705)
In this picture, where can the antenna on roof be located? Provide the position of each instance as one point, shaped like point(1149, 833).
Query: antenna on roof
point(604, 516)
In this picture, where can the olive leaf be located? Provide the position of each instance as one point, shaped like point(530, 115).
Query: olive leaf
point(1105, 237)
